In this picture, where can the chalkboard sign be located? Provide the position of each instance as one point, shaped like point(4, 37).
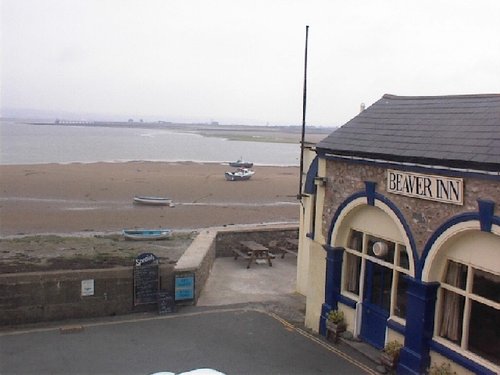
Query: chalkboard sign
point(146, 281)
point(166, 302)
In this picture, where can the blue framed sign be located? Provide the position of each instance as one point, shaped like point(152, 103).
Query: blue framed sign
point(184, 287)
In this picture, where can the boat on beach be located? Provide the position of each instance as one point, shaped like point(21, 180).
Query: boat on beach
point(239, 174)
point(153, 201)
point(147, 234)
point(240, 163)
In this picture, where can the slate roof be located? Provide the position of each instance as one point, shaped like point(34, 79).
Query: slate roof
point(460, 131)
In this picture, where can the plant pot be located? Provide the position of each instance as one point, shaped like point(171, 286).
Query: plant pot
point(389, 361)
point(334, 329)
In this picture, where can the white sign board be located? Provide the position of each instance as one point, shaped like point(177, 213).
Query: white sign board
point(87, 287)
point(430, 187)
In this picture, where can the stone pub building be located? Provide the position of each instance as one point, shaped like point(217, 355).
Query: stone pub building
point(400, 230)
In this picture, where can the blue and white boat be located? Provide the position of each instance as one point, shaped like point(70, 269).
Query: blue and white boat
point(147, 234)
point(240, 163)
point(240, 174)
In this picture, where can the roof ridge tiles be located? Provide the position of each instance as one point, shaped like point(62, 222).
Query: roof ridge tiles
point(457, 96)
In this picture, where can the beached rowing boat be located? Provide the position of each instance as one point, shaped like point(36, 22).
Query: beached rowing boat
point(147, 234)
point(153, 201)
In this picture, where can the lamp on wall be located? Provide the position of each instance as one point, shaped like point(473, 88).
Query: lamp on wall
point(320, 181)
point(380, 249)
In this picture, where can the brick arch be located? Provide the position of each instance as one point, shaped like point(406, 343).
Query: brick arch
point(372, 198)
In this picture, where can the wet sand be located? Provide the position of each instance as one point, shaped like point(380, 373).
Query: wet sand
point(98, 197)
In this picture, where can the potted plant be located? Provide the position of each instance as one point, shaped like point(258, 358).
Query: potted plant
point(442, 369)
point(335, 324)
point(390, 355)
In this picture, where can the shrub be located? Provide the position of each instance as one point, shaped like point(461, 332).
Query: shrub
point(335, 316)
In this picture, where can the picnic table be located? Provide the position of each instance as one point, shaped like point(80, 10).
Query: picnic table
point(254, 251)
point(284, 249)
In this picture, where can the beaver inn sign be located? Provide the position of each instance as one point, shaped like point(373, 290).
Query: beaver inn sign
point(400, 230)
point(441, 189)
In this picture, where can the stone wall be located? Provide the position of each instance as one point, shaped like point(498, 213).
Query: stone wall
point(423, 216)
point(198, 260)
point(272, 238)
point(43, 296)
point(56, 295)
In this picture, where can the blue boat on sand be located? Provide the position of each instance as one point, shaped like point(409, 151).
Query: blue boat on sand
point(147, 234)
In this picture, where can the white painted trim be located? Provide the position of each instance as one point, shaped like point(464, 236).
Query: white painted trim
point(446, 236)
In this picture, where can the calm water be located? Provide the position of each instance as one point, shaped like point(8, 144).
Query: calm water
point(38, 144)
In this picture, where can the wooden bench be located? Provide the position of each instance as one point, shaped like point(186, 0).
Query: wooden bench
point(239, 253)
point(255, 251)
point(292, 241)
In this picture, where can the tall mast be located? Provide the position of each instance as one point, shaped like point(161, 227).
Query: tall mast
point(304, 96)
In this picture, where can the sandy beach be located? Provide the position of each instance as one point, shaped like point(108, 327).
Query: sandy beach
point(98, 197)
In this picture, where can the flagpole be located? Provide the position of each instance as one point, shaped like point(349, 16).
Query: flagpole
point(304, 97)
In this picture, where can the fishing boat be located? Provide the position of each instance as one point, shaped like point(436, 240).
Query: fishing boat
point(239, 174)
point(146, 234)
point(153, 201)
point(240, 163)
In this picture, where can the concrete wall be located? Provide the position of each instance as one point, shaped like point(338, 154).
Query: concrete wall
point(45, 296)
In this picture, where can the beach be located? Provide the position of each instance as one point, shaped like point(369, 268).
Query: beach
point(98, 197)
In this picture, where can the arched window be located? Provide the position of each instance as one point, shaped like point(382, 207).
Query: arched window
point(376, 258)
point(468, 308)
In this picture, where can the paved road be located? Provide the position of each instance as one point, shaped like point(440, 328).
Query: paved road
point(233, 341)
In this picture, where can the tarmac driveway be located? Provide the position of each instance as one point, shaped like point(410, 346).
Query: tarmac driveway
point(233, 341)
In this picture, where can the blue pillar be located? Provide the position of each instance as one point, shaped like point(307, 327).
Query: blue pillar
point(333, 280)
point(414, 357)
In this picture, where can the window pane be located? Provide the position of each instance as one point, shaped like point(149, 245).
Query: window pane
point(451, 316)
point(355, 240)
point(403, 257)
point(353, 269)
point(400, 309)
point(486, 285)
point(484, 332)
point(456, 274)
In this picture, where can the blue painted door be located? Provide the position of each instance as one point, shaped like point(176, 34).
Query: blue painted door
point(376, 303)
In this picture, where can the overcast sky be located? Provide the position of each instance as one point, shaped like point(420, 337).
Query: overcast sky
point(242, 61)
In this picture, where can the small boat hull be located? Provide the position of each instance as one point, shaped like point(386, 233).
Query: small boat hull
point(240, 163)
point(146, 234)
point(153, 201)
point(240, 174)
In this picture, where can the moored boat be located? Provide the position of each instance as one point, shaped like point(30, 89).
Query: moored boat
point(240, 163)
point(239, 174)
point(147, 234)
point(153, 201)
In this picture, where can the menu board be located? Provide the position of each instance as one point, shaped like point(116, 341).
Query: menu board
point(146, 282)
point(166, 302)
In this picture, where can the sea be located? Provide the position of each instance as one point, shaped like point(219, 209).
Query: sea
point(24, 143)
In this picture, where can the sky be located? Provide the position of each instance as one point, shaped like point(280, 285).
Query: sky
point(240, 61)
